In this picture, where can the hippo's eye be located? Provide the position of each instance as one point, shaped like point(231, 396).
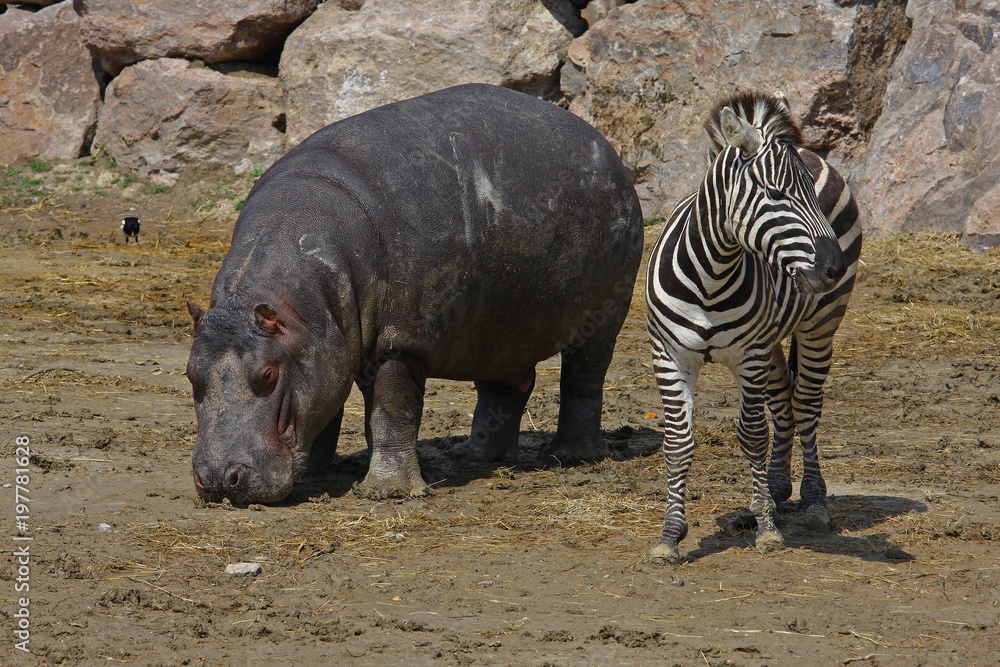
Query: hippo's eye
point(267, 380)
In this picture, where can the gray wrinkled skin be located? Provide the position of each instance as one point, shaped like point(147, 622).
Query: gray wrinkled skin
point(467, 234)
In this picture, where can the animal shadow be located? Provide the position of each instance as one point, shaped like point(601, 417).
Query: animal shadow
point(436, 459)
point(441, 469)
point(849, 512)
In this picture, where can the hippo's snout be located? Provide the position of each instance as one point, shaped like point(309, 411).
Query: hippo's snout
point(229, 481)
point(242, 478)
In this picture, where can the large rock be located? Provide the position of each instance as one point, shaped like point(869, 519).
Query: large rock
point(163, 116)
point(50, 88)
point(934, 158)
point(341, 63)
point(122, 32)
point(881, 29)
point(648, 74)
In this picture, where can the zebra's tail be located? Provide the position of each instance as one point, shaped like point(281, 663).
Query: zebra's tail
point(793, 362)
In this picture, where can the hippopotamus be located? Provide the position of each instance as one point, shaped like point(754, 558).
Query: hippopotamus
point(466, 234)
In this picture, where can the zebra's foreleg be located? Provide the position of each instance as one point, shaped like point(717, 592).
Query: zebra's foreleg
point(779, 400)
point(677, 393)
point(752, 376)
point(807, 405)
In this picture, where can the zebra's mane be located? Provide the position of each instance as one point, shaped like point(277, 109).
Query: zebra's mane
point(767, 113)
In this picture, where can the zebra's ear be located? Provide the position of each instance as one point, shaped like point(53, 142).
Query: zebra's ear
point(738, 132)
point(782, 100)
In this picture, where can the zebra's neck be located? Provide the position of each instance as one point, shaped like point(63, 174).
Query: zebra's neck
point(708, 230)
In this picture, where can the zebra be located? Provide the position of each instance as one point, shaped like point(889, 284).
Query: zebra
point(766, 248)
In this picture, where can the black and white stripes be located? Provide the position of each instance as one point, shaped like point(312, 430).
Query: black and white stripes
point(767, 247)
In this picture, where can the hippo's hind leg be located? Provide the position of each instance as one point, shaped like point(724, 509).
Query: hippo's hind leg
point(324, 446)
point(581, 395)
point(394, 402)
point(496, 423)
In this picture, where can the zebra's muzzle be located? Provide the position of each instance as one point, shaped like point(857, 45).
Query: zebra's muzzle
point(829, 267)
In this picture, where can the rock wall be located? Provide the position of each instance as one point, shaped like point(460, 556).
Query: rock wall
point(123, 32)
point(163, 116)
point(340, 63)
point(902, 96)
point(50, 88)
point(934, 157)
point(648, 75)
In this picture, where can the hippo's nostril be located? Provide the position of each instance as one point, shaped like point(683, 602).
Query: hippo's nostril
point(235, 475)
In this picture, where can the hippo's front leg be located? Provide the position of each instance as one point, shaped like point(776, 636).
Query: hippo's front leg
point(396, 401)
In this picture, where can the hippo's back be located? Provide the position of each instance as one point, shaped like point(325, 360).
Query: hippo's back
point(495, 217)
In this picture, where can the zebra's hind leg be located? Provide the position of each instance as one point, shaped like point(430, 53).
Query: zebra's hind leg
point(751, 376)
point(813, 364)
point(779, 400)
point(677, 393)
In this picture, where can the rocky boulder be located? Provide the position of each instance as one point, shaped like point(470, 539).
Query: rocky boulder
point(881, 29)
point(163, 116)
point(934, 157)
point(123, 32)
point(648, 74)
point(340, 63)
point(50, 87)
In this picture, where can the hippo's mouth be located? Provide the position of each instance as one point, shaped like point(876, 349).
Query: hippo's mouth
point(286, 421)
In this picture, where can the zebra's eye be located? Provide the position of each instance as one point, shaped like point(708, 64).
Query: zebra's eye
point(775, 195)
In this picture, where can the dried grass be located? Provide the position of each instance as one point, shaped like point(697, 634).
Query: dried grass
point(921, 293)
point(68, 377)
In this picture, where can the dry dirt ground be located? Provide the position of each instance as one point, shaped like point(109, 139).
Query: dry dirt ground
point(537, 565)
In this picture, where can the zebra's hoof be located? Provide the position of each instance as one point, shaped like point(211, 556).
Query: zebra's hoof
point(818, 521)
point(665, 554)
point(769, 541)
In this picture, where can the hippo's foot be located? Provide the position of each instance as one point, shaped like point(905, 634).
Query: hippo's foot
point(383, 490)
point(769, 540)
point(473, 450)
point(570, 450)
point(818, 520)
point(665, 553)
point(392, 476)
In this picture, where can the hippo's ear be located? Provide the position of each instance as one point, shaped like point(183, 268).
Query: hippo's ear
point(196, 313)
point(267, 319)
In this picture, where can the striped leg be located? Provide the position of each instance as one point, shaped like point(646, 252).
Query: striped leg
point(813, 364)
point(677, 394)
point(752, 376)
point(779, 400)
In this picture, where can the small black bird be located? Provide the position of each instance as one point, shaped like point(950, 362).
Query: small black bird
point(130, 226)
